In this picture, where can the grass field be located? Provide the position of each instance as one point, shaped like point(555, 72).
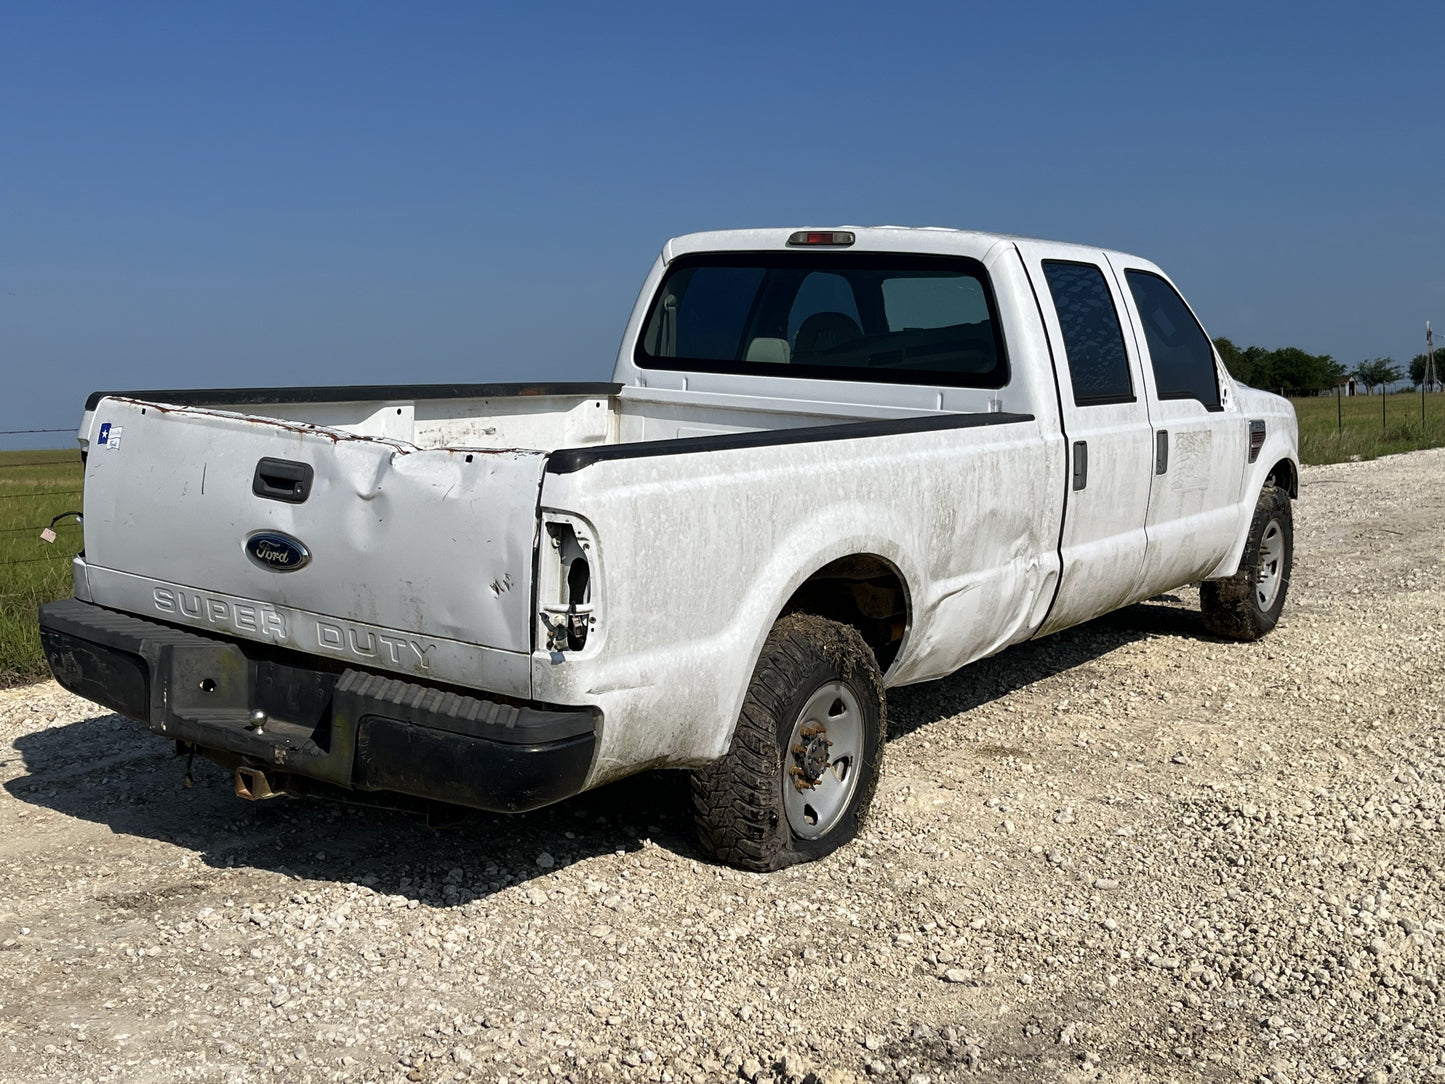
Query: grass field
point(37, 486)
point(1332, 432)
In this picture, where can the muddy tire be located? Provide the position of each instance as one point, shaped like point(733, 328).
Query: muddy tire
point(1247, 605)
point(804, 761)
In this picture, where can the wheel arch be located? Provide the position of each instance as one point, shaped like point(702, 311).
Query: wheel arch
point(1285, 475)
point(808, 578)
point(1283, 471)
point(864, 590)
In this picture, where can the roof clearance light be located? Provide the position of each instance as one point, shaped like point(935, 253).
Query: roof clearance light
point(821, 237)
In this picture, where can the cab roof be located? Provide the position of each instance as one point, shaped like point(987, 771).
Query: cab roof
point(938, 240)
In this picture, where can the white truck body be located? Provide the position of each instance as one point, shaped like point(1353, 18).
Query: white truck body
point(439, 526)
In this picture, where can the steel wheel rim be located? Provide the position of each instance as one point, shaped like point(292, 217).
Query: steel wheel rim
point(1271, 566)
point(829, 727)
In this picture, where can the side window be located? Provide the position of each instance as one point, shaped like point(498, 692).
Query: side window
point(1093, 339)
point(1179, 350)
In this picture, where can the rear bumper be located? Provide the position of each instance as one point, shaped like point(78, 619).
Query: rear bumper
point(344, 728)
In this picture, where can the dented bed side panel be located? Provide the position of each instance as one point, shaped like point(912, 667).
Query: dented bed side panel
point(694, 557)
point(404, 549)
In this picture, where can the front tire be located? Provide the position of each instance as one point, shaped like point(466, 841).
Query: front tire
point(1248, 604)
point(800, 774)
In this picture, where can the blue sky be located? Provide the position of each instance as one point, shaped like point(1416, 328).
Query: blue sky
point(265, 194)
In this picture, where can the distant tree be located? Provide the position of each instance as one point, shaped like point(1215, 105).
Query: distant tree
point(1289, 368)
point(1257, 361)
point(1376, 372)
point(1303, 374)
point(1249, 366)
point(1418, 364)
point(1233, 358)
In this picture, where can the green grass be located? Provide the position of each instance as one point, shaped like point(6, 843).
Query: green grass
point(34, 488)
point(1353, 429)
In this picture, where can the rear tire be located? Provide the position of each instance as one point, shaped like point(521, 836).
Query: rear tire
point(1248, 604)
point(800, 774)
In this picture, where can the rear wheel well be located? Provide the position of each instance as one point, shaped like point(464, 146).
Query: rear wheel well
point(862, 590)
point(1283, 475)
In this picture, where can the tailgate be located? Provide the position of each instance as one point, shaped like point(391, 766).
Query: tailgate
point(405, 559)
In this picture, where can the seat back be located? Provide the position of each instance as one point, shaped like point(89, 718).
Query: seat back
point(823, 331)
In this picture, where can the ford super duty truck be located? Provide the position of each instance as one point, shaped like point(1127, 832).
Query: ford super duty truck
point(829, 461)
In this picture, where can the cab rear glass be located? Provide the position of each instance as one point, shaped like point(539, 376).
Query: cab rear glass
point(875, 317)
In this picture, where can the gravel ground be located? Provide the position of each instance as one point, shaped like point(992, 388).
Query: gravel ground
point(1129, 852)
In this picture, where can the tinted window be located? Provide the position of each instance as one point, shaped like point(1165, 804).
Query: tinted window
point(822, 291)
point(900, 319)
point(1179, 350)
point(1093, 339)
point(925, 300)
point(705, 320)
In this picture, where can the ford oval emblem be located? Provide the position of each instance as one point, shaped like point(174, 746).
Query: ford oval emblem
point(276, 551)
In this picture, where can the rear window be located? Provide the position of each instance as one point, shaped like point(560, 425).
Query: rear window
point(900, 319)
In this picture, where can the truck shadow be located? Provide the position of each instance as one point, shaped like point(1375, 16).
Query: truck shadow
point(110, 771)
point(113, 772)
point(915, 706)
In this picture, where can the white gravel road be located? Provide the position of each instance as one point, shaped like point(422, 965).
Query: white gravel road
point(1129, 852)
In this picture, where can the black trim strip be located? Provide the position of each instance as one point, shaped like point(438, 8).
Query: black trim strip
point(568, 460)
point(351, 393)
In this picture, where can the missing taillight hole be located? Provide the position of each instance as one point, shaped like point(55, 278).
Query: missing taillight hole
point(579, 582)
point(566, 590)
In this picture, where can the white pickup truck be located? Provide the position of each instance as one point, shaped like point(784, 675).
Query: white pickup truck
point(831, 461)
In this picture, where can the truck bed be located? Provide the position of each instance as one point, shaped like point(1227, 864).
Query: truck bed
point(411, 513)
point(500, 416)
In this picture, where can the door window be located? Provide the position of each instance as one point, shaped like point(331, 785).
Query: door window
point(1180, 352)
point(1093, 339)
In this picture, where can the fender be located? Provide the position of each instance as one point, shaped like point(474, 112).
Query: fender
point(787, 571)
point(1276, 457)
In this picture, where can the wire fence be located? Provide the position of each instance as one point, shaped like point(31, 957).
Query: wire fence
point(37, 491)
point(40, 498)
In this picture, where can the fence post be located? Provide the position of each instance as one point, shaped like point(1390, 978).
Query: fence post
point(1339, 414)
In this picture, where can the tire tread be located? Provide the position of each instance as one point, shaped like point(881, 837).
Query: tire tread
point(1228, 606)
point(737, 800)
